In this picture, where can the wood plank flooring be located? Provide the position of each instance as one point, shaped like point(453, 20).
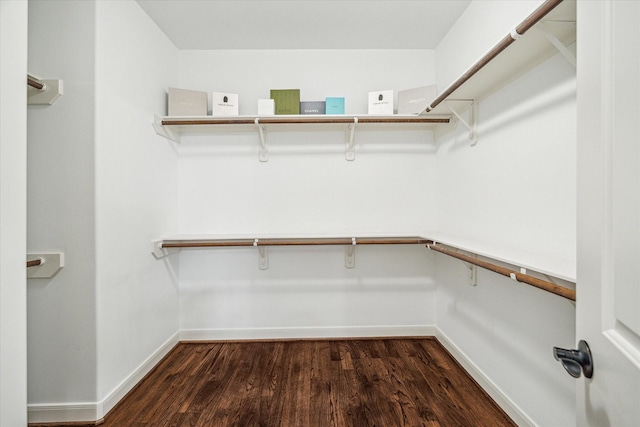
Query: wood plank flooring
point(382, 382)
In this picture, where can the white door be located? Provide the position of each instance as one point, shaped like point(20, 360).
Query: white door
point(608, 292)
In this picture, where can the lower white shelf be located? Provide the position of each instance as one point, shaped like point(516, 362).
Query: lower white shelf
point(542, 264)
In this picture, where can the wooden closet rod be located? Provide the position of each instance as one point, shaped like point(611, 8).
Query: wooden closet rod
point(36, 84)
point(298, 242)
point(524, 26)
point(520, 277)
point(34, 262)
point(303, 120)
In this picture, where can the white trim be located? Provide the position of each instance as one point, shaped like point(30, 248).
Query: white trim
point(63, 412)
point(509, 406)
point(306, 332)
point(93, 411)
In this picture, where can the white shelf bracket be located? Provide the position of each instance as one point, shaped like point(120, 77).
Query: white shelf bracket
point(50, 264)
point(50, 92)
point(350, 254)
point(568, 55)
point(471, 124)
point(473, 272)
point(350, 152)
point(264, 148)
point(263, 256)
point(159, 252)
point(164, 131)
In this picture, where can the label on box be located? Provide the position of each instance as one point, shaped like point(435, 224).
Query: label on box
point(415, 101)
point(266, 107)
point(334, 105)
point(183, 102)
point(224, 104)
point(312, 107)
point(381, 102)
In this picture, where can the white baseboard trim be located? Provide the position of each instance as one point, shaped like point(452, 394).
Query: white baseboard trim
point(306, 332)
point(94, 411)
point(63, 412)
point(507, 405)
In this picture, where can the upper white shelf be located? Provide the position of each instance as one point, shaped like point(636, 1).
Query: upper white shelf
point(174, 127)
point(548, 30)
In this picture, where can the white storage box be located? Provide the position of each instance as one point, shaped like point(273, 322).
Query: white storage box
point(381, 102)
point(224, 104)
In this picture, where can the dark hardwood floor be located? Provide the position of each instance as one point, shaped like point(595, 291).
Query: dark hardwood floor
point(382, 382)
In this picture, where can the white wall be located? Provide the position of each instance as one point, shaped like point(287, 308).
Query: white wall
point(306, 187)
point(482, 25)
point(136, 197)
point(61, 212)
point(515, 188)
point(13, 159)
point(102, 185)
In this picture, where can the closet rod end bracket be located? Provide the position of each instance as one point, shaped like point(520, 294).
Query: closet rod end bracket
point(159, 252)
point(163, 130)
point(51, 263)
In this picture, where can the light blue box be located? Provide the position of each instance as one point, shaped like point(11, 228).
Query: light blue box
point(334, 106)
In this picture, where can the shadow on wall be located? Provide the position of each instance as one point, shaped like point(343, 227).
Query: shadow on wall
point(508, 329)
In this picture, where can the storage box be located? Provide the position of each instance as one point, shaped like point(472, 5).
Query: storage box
point(415, 101)
point(183, 102)
point(266, 107)
point(381, 102)
point(287, 100)
point(312, 107)
point(224, 104)
point(334, 105)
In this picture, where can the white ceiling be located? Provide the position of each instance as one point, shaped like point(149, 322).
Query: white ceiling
point(304, 24)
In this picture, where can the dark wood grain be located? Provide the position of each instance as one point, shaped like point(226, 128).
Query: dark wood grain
point(378, 382)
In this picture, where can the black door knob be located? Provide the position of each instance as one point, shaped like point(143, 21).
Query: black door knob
point(576, 361)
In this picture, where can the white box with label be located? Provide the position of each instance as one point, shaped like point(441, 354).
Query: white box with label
point(224, 104)
point(381, 102)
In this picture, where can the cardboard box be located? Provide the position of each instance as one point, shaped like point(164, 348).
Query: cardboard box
point(224, 104)
point(415, 101)
point(312, 107)
point(334, 105)
point(381, 102)
point(266, 107)
point(287, 100)
point(183, 102)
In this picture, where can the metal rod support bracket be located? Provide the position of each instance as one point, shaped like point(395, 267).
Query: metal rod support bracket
point(471, 123)
point(566, 53)
point(350, 153)
point(350, 254)
point(263, 254)
point(264, 148)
